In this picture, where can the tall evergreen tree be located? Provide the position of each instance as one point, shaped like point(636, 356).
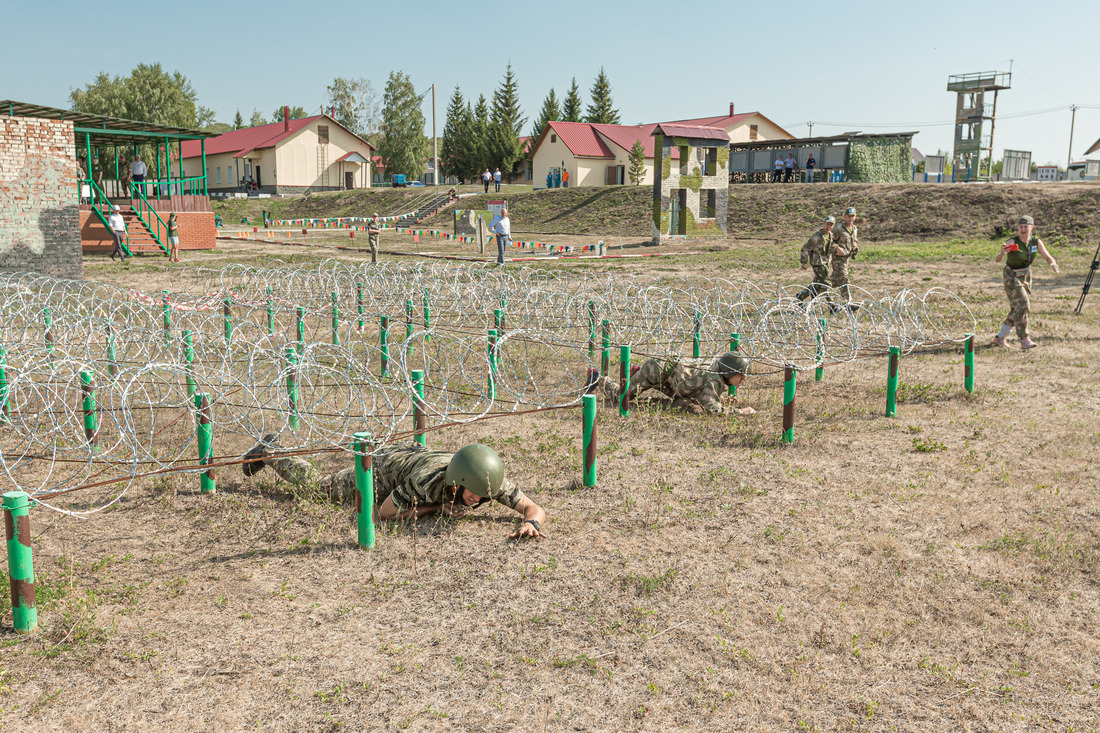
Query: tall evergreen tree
point(637, 163)
point(238, 121)
point(550, 111)
point(506, 125)
point(602, 110)
point(459, 155)
point(404, 147)
point(256, 119)
point(571, 110)
point(481, 134)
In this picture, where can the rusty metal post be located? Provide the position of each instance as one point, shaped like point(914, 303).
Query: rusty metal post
point(17, 530)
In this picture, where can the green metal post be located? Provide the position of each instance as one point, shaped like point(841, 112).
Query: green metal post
point(491, 385)
point(789, 376)
point(492, 350)
point(189, 356)
point(696, 336)
point(503, 315)
point(166, 316)
point(605, 357)
point(292, 387)
point(819, 372)
point(4, 411)
point(591, 328)
point(588, 417)
point(624, 381)
point(157, 148)
point(204, 433)
point(47, 319)
point(227, 317)
point(498, 316)
point(735, 344)
point(364, 484)
point(168, 165)
point(270, 313)
point(17, 530)
point(892, 383)
point(359, 303)
point(112, 357)
point(202, 145)
point(384, 344)
point(420, 420)
point(335, 320)
point(408, 328)
point(427, 317)
point(87, 389)
point(968, 364)
point(301, 328)
point(88, 151)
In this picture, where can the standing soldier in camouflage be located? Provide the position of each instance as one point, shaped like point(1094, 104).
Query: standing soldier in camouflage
point(1018, 254)
point(412, 481)
point(693, 384)
point(845, 247)
point(373, 230)
point(817, 252)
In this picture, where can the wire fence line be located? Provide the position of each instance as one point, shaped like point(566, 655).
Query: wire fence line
point(97, 382)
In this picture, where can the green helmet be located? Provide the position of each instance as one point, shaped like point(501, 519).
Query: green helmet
point(476, 468)
point(732, 363)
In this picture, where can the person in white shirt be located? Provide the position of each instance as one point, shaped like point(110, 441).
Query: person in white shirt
point(485, 178)
point(788, 166)
point(777, 175)
point(138, 170)
point(502, 227)
point(496, 179)
point(118, 231)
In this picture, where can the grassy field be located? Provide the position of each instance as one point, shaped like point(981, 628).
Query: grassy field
point(933, 571)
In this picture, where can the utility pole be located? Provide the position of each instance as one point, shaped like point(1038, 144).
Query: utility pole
point(1072, 121)
point(811, 129)
point(435, 144)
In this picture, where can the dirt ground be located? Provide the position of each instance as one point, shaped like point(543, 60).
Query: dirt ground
point(933, 571)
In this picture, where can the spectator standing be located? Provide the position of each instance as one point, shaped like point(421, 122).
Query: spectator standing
point(137, 170)
point(565, 178)
point(496, 179)
point(173, 238)
point(485, 178)
point(550, 178)
point(501, 226)
point(118, 231)
point(810, 165)
point(788, 168)
point(374, 228)
point(777, 174)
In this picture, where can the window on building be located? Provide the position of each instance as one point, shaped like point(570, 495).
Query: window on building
point(553, 138)
point(322, 134)
point(707, 202)
point(710, 161)
point(229, 173)
point(684, 152)
point(754, 132)
point(218, 175)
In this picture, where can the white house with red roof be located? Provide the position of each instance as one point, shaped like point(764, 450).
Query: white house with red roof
point(290, 156)
point(599, 155)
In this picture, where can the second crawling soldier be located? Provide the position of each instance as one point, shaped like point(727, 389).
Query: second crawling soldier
point(412, 481)
point(845, 238)
point(695, 384)
point(818, 253)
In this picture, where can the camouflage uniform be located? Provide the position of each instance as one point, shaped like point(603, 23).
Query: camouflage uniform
point(407, 472)
point(1017, 282)
point(373, 231)
point(817, 253)
point(687, 381)
point(848, 240)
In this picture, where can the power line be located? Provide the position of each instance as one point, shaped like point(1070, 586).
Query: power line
point(944, 123)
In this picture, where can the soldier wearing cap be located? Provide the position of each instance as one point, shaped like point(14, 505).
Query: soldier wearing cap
point(1018, 254)
point(817, 253)
point(373, 230)
point(412, 481)
point(695, 384)
point(845, 240)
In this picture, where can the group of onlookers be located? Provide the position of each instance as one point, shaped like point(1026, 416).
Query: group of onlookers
point(785, 169)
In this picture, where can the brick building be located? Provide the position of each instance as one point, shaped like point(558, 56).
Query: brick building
point(690, 181)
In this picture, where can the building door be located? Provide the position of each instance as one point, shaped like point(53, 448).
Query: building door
point(681, 225)
point(258, 184)
point(349, 180)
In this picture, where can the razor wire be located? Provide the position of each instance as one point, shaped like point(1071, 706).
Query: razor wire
point(297, 351)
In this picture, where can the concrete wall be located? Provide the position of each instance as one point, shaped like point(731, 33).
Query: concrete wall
point(39, 221)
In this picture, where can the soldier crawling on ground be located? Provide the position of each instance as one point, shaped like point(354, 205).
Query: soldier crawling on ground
point(412, 481)
point(693, 384)
point(817, 253)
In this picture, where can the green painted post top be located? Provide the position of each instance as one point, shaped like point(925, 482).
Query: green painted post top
point(14, 500)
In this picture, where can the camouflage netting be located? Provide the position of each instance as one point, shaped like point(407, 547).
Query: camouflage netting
point(880, 160)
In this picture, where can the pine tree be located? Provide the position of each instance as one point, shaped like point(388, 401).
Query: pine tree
point(238, 121)
point(405, 147)
point(571, 110)
point(637, 163)
point(458, 154)
point(602, 109)
point(506, 124)
point(257, 119)
point(550, 111)
point(481, 135)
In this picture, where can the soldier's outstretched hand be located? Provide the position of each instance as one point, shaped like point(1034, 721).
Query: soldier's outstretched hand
point(527, 529)
point(744, 411)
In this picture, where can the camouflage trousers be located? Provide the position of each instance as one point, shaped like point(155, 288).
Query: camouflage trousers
point(373, 240)
point(819, 285)
point(651, 375)
point(1018, 290)
point(839, 278)
point(299, 472)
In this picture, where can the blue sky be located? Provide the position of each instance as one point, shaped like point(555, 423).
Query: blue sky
point(871, 66)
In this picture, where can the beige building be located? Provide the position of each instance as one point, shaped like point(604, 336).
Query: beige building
point(291, 156)
point(599, 155)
